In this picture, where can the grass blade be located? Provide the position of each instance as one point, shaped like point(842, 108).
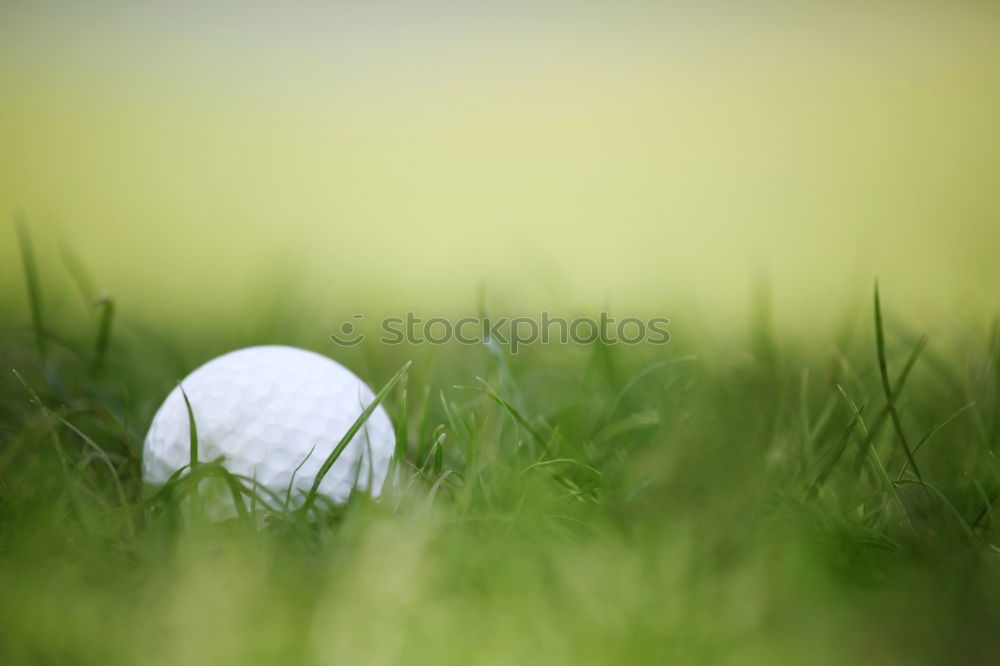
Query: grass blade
point(887, 387)
point(193, 456)
point(32, 282)
point(103, 341)
point(932, 431)
point(845, 439)
point(193, 429)
point(438, 457)
point(873, 456)
point(876, 425)
point(349, 435)
point(402, 432)
point(291, 481)
point(956, 514)
point(507, 407)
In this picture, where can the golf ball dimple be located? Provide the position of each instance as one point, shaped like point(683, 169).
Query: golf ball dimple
point(274, 414)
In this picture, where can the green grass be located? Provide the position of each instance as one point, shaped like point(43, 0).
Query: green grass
point(748, 502)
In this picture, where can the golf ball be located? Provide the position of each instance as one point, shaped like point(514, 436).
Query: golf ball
point(274, 414)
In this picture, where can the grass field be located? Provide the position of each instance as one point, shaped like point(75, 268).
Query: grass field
point(744, 501)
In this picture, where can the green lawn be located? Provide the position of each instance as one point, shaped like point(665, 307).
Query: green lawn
point(746, 500)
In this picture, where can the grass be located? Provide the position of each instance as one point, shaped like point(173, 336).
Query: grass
point(739, 503)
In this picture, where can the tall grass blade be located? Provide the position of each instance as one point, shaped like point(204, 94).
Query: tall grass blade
point(192, 430)
point(33, 283)
point(402, 432)
point(901, 379)
point(103, 340)
point(193, 455)
point(887, 387)
point(349, 435)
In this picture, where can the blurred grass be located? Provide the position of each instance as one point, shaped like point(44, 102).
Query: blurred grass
point(583, 505)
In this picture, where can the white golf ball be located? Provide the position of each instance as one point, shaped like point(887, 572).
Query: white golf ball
point(274, 414)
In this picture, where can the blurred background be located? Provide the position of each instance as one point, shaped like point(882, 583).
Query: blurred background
point(381, 156)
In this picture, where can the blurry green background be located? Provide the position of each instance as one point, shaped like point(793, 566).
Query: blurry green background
point(384, 156)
